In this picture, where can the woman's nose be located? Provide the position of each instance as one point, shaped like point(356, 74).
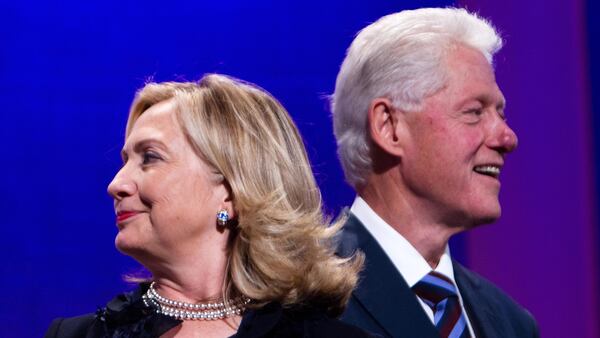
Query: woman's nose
point(121, 186)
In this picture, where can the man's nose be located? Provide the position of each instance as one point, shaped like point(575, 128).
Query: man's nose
point(502, 138)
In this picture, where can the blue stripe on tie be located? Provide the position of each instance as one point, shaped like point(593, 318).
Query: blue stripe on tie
point(439, 282)
point(439, 293)
point(439, 311)
point(428, 302)
point(459, 328)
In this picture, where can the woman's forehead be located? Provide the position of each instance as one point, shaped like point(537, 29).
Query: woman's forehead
point(158, 122)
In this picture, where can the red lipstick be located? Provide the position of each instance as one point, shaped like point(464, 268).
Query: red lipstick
point(126, 214)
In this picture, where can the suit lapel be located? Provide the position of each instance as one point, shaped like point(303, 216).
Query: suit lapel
point(382, 291)
point(479, 306)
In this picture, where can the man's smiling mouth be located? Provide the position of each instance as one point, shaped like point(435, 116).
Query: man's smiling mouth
point(488, 169)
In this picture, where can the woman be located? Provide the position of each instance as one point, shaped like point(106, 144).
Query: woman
point(217, 200)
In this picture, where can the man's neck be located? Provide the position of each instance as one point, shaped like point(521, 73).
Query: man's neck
point(411, 219)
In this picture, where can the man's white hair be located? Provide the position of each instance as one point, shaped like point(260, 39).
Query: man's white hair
point(399, 57)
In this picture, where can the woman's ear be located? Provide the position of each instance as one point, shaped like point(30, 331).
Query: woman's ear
point(228, 200)
point(387, 126)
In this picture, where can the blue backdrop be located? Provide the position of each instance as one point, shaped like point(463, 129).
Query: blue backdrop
point(68, 72)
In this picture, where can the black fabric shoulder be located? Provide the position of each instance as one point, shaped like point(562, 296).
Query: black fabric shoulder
point(70, 327)
point(333, 328)
point(301, 322)
point(124, 316)
point(127, 316)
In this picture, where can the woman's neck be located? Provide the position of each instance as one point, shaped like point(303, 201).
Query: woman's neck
point(192, 274)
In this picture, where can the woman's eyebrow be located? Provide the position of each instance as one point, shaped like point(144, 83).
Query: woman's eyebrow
point(139, 145)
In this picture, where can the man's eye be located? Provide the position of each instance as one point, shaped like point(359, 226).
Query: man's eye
point(149, 157)
point(472, 116)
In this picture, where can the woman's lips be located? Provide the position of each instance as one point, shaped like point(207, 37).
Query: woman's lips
point(124, 215)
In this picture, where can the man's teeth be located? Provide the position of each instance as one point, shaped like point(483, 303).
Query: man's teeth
point(488, 170)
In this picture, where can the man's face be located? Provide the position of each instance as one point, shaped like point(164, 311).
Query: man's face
point(457, 144)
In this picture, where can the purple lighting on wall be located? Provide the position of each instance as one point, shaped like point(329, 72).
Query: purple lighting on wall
point(543, 250)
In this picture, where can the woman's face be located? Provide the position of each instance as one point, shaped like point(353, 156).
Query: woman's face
point(166, 197)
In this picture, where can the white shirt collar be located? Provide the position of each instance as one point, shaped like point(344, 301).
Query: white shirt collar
point(407, 260)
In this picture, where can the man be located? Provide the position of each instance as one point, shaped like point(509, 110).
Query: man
point(422, 137)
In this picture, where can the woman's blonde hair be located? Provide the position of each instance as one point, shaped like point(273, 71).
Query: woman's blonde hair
point(281, 246)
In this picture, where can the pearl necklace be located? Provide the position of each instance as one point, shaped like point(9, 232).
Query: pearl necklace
point(194, 311)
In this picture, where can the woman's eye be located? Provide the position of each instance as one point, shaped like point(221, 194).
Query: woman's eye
point(149, 157)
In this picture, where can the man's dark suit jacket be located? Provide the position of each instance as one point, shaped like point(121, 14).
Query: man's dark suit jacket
point(384, 304)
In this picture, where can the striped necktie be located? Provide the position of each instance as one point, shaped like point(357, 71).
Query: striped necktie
point(438, 291)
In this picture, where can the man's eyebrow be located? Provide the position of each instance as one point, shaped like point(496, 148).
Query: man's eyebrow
point(477, 99)
point(485, 100)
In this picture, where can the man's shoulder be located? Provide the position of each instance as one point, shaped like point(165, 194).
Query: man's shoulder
point(478, 292)
point(467, 278)
point(352, 235)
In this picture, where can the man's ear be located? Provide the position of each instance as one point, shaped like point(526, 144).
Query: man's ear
point(387, 126)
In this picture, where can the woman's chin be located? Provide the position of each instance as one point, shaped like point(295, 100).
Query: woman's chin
point(128, 245)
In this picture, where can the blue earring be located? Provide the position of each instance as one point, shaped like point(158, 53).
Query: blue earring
point(222, 217)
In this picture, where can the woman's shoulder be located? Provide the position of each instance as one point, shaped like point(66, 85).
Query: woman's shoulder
point(331, 327)
point(273, 320)
point(70, 327)
point(124, 316)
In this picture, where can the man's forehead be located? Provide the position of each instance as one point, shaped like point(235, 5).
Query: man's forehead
point(470, 77)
